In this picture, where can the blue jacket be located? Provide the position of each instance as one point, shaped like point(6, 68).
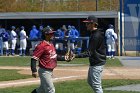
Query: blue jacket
point(34, 34)
point(70, 33)
point(76, 33)
point(59, 34)
point(5, 36)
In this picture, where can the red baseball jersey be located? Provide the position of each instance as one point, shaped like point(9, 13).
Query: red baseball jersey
point(46, 54)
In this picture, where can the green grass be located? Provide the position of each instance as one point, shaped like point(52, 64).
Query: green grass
point(113, 63)
point(15, 61)
point(25, 61)
point(7, 75)
point(76, 61)
point(78, 86)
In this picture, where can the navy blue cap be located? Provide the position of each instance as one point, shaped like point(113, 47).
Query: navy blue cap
point(13, 27)
point(22, 27)
point(91, 18)
point(110, 26)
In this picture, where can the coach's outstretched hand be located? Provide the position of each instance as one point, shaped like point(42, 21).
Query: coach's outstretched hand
point(34, 74)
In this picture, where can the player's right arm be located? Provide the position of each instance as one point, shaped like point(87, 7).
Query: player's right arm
point(35, 57)
point(33, 67)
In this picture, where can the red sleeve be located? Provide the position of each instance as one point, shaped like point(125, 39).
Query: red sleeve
point(38, 52)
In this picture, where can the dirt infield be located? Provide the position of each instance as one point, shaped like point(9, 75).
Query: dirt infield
point(108, 73)
point(73, 73)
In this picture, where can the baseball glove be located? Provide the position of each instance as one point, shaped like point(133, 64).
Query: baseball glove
point(69, 56)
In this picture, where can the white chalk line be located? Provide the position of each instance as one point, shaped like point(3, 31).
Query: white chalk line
point(71, 69)
point(19, 82)
point(68, 77)
point(22, 68)
point(36, 81)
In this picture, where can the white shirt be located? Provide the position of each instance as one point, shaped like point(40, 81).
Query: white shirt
point(13, 35)
point(114, 37)
point(110, 38)
point(109, 33)
point(22, 35)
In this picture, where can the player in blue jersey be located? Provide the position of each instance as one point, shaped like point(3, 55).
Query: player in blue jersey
point(34, 37)
point(59, 36)
point(5, 37)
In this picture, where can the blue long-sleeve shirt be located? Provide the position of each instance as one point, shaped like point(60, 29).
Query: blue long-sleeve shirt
point(73, 33)
point(34, 34)
point(59, 35)
point(5, 36)
point(76, 33)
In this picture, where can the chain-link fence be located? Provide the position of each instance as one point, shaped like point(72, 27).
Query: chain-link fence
point(58, 5)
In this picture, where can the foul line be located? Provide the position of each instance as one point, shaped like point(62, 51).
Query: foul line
point(71, 69)
point(14, 83)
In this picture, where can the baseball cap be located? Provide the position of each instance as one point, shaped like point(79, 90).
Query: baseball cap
point(13, 27)
point(110, 26)
point(91, 18)
point(22, 27)
point(48, 30)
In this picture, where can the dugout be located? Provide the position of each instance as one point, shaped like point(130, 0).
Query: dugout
point(57, 19)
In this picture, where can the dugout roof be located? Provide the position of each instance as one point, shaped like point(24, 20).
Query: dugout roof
point(54, 15)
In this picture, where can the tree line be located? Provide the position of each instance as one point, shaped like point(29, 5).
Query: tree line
point(58, 5)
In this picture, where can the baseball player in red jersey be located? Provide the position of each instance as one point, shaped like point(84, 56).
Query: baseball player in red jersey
point(46, 55)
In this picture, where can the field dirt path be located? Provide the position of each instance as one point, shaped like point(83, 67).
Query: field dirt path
point(72, 73)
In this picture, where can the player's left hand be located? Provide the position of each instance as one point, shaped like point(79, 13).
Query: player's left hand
point(34, 74)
